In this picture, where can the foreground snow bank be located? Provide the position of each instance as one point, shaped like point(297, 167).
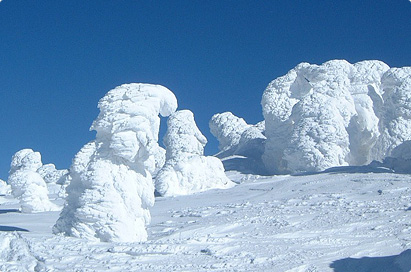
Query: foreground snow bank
point(27, 185)
point(186, 170)
point(111, 188)
point(335, 114)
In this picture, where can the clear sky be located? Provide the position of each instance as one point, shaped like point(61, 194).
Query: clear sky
point(58, 58)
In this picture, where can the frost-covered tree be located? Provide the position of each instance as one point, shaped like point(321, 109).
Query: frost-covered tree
point(337, 113)
point(111, 188)
point(4, 188)
point(227, 128)
point(187, 170)
point(395, 121)
point(27, 185)
point(51, 175)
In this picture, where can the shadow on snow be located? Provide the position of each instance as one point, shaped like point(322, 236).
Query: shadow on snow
point(9, 211)
point(397, 263)
point(9, 228)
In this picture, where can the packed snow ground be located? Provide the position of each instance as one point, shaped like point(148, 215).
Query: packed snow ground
point(337, 221)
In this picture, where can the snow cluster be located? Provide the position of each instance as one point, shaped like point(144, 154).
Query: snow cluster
point(335, 114)
point(186, 170)
point(27, 184)
point(111, 187)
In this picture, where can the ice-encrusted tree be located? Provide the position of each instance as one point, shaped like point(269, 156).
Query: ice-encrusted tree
point(111, 188)
point(187, 170)
point(51, 175)
point(27, 185)
point(334, 114)
point(227, 128)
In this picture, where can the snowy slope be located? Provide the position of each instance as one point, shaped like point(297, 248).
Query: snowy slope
point(337, 221)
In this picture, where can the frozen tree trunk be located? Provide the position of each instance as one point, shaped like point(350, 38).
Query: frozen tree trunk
point(111, 187)
point(186, 170)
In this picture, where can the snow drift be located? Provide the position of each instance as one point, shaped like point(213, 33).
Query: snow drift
point(27, 185)
point(111, 188)
point(335, 114)
point(186, 170)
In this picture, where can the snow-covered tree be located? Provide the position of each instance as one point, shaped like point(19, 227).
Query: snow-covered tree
point(337, 113)
point(111, 188)
point(395, 121)
point(186, 170)
point(227, 128)
point(50, 174)
point(27, 185)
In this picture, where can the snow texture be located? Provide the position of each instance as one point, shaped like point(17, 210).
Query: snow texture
point(27, 185)
point(111, 188)
point(335, 114)
point(186, 170)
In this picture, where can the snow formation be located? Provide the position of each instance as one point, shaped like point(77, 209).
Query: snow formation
point(51, 175)
point(111, 188)
point(335, 114)
point(186, 170)
point(27, 184)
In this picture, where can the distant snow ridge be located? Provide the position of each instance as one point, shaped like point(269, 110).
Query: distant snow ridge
point(186, 170)
point(27, 185)
point(334, 114)
point(111, 188)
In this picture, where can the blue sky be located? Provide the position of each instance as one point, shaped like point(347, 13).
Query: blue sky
point(58, 58)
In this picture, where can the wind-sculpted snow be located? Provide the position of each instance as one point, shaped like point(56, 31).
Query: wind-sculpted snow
point(27, 185)
point(335, 114)
point(186, 170)
point(111, 188)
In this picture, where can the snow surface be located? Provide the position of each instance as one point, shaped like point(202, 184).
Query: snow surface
point(335, 114)
point(187, 170)
point(339, 221)
point(111, 188)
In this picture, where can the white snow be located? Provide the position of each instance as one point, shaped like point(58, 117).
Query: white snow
point(324, 222)
point(335, 114)
point(111, 188)
point(27, 185)
point(187, 170)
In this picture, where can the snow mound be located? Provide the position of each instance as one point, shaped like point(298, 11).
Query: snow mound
point(111, 188)
point(27, 185)
point(186, 170)
point(335, 114)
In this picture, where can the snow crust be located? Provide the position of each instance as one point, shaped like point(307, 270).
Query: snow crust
point(335, 114)
point(27, 185)
point(111, 188)
point(186, 169)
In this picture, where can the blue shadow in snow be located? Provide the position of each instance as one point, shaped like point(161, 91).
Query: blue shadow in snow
point(8, 228)
point(9, 211)
point(397, 263)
